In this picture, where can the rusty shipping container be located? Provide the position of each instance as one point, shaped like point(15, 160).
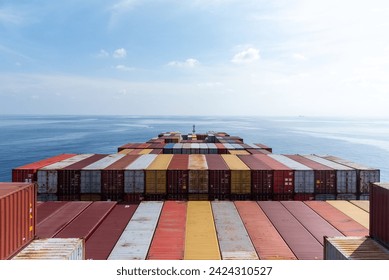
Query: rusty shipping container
point(268, 243)
point(135, 240)
point(219, 178)
point(354, 248)
point(298, 238)
point(283, 177)
point(198, 174)
point(345, 224)
point(28, 173)
point(100, 244)
point(156, 178)
point(177, 177)
point(240, 176)
point(234, 241)
point(261, 178)
point(313, 222)
point(134, 174)
point(169, 238)
point(112, 178)
point(69, 178)
point(53, 249)
point(17, 217)
point(379, 210)
point(324, 177)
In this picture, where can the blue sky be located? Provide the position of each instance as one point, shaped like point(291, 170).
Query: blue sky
point(199, 57)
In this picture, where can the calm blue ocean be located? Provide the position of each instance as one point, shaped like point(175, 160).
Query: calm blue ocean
point(26, 139)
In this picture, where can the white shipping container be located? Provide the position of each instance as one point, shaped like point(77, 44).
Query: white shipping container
point(228, 146)
point(134, 242)
point(53, 249)
point(238, 146)
point(212, 149)
point(234, 241)
point(134, 176)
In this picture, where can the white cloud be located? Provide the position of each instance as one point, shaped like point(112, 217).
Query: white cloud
point(246, 56)
point(121, 67)
point(189, 63)
point(120, 53)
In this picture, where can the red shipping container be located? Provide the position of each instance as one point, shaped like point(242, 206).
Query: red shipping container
point(219, 178)
point(17, 217)
point(221, 149)
point(379, 210)
point(177, 177)
point(28, 173)
point(47, 208)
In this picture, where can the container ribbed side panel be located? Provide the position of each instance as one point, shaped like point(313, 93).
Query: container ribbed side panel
point(267, 241)
point(234, 242)
point(135, 240)
point(298, 238)
point(352, 211)
point(169, 238)
point(346, 225)
point(200, 238)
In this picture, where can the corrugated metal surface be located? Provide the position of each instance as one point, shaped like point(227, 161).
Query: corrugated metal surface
point(17, 217)
point(48, 208)
point(303, 175)
point(298, 238)
point(219, 177)
point(85, 223)
point(145, 151)
point(354, 248)
point(60, 219)
point(198, 174)
point(267, 241)
point(91, 174)
point(313, 222)
point(345, 224)
point(53, 249)
point(200, 237)
point(156, 175)
point(363, 204)
point(238, 152)
point(177, 177)
point(234, 241)
point(135, 240)
point(47, 177)
point(169, 237)
point(352, 211)
point(28, 173)
point(212, 149)
point(103, 239)
point(379, 210)
point(134, 174)
point(240, 175)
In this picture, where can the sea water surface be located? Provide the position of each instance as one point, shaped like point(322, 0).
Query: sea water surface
point(26, 139)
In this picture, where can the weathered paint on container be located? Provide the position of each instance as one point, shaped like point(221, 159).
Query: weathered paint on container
point(136, 238)
point(91, 174)
point(345, 224)
point(268, 243)
point(240, 175)
point(365, 175)
point(354, 248)
point(125, 151)
point(298, 238)
point(156, 151)
point(200, 236)
point(198, 174)
point(352, 211)
point(234, 241)
point(261, 178)
point(103, 239)
point(28, 173)
point(47, 208)
point(219, 177)
point(134, 174)
point(312, 221)
point(303, 175)
point(47, 177)
point(379, 210)
point(169, 237)
point(156, 175)
point(177, 177)
point(69, 177)
point(60, 219)
point(85, 223)
point(53, 249)
point(112, 178)
point(17, 217)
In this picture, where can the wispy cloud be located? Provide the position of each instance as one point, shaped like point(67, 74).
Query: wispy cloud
point(125, 68)
point(8, 16)
point(120, 53)
point(246, 56)
point(189, 63)
point(119, 9)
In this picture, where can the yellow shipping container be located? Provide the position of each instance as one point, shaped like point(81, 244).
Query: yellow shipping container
point(239, 152)
point(156, 174)
point(240, 175)
point(200, 237)
point(125, 151)
point(145, 151)
point(351, 210)
point(363, 204)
